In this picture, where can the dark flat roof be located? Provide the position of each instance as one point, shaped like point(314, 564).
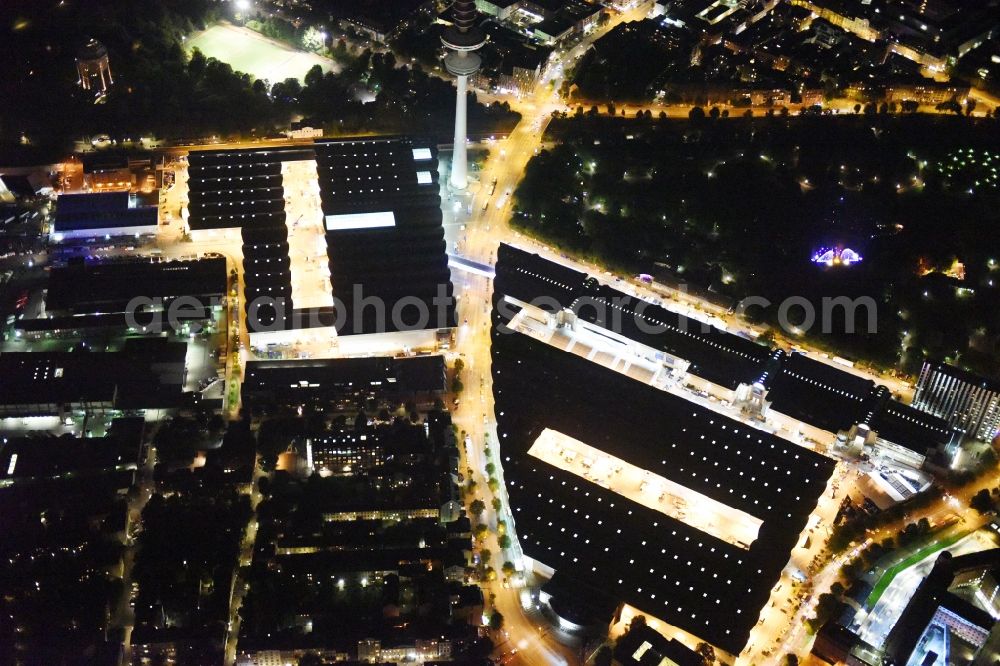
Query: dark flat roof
point(267, 273)
point(658, 648)
point(145, 216)
point(118, 320)
point(909, 427)
point(420, 373)
point(715, 355)
point(53, 377)
point(250, 155)
point(555, 25)
point(655, 563)
point(238, 188)
point(720, 357)
point(19, 186)
point(819, 394)
point(101, 161)
point(79, 497)
point(72, 204)
point(300, 380)
point(527, 277)
point(108, 287)
point(580, 603)
point(47, 455)
point(388, 559)
point(135, 378)
point(407, 260)
point(78, 212)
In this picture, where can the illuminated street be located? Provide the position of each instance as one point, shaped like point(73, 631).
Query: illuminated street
point(877, 623)
point(230, 435)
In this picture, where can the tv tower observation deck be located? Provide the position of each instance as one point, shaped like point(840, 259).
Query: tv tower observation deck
point(463, 38)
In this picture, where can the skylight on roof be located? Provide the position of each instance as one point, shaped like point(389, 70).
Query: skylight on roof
point(421, 154)
point(360, 221)
point(637, 655)
point(646, 488)
point(424, 177)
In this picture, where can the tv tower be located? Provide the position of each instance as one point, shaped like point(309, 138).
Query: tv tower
point(463, 38)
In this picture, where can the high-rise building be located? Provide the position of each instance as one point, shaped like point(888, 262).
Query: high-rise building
point(967, 401)
point(949, 615)
point(93, 67)
point(463, 37)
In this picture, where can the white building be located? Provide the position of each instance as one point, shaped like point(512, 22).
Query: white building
point(966, 401)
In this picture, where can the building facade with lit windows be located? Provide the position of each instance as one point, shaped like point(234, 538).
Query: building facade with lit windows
point(345, 453)
point(373, 651)
point(932, 33)
point(951, 615)
point(501, 9)
point(109, 172)
point(929, 94)
point(966, 401)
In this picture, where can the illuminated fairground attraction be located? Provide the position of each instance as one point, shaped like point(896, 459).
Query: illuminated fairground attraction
point(463, 38)
point(836, 256)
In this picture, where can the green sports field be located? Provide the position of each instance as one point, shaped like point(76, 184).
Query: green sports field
point(250, 52)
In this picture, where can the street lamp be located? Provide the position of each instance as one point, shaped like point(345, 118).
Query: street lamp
point(243, 5)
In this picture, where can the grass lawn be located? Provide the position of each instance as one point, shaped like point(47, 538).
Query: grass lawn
point(894, 571)
point(251, 52)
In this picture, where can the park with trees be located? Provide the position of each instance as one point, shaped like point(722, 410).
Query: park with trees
point(738, 207)
point(161, 90)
